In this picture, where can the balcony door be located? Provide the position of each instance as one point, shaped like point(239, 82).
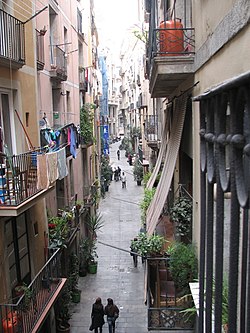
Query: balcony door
point(17, 250)
point(6, 124)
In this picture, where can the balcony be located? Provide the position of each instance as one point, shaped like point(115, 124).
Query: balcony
point(26, 313)
point(171, 60)
point(11, 41)
point(22, 181)
point(83, 83)
point(151, 131)
point(142, 101)
point(58, 70)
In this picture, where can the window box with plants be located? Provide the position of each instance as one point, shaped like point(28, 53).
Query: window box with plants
point(138, 171)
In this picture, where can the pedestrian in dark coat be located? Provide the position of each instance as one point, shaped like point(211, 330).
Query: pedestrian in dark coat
point(97, 315)
point(112, 312)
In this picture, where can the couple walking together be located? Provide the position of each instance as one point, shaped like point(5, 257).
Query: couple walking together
point(98, 312)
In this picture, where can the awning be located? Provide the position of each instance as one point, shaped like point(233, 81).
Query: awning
point(160, 197)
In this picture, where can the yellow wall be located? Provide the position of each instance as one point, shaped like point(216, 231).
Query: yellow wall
point(208, 14)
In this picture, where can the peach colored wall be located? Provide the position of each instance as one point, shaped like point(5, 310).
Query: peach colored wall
point(66, 18)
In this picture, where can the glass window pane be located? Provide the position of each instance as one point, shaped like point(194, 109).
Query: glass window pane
point(23, 246)
point(24, 265)
point(20, 224)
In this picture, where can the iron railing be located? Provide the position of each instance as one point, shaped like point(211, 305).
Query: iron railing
point(224, 216)
point(59, 65)
point(151, 128)
point(11, 38)
point(169, 319)
point(165, 306)
point(18, 178)
point(173, 42)
point(23, 312)
point(174, 36)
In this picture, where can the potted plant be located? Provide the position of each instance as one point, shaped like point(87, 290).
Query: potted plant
point(106, 173)
point(183, 266)
point(181, 214)
point(148, 246)
point(58, 232)
point(74, 278)
point(138, 171)
point(144, 204)
point(94, 224)
point(63, 314)
point(27, 296)
point(84, 256)
point(92, 261)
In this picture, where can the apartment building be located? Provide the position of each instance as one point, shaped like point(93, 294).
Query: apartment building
point(48, 65)
point(198, 70)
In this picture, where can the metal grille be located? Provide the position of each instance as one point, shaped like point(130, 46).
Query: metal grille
point(225, 151)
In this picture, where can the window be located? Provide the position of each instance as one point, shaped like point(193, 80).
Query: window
point(17, 250)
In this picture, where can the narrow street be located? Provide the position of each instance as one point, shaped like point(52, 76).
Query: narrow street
point(116, 277)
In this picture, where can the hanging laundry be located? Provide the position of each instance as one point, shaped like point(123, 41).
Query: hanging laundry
point(52, 167)
point(57, 134)
point(72, 142)
point(42, 172)
point(62, 163)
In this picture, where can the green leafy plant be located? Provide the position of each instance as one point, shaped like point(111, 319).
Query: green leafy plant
point(62, 306)
point(142, 35)
point(183, 265)
point(58, 231)
point(73, 277)
point(28, 296)
point(106, 170)
point(181, 213)
point(86, 122)
point(138, 170)
point(94, 223)
point(146, 177)
point(126, 143)
point(192, 310)
point(147, 198)
point(148, 245)
point(135, 132)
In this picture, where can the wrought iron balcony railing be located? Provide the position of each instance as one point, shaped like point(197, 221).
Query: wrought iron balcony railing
point(170, 42)
point(59, 66)
point(24, 311)
point(151, 128)
point(11, 40)
point(18, 178)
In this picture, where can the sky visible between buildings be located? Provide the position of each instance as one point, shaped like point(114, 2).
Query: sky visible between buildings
point(113, 20)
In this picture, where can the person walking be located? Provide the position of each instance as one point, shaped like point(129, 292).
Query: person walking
point(97, 316)
point(123, 179)
point(119, 172)
point(133, 252)
point(112, 313)
point(118, 154)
